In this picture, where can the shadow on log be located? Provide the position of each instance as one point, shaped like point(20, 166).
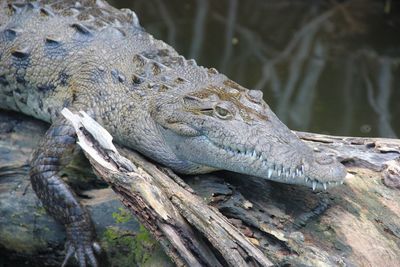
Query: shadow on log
point(245, 220)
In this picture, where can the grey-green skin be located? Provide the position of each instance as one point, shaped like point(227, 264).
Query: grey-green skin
point(96, 58)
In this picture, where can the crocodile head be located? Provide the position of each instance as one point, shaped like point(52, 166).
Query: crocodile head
point(229, 127)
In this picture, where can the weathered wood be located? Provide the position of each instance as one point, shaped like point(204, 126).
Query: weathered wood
point(376, 154)
point(357, 224)
point(370, 153)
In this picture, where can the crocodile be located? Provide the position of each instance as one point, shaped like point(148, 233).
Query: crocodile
point(88, 56)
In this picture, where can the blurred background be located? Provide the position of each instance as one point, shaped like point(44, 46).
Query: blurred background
point(325, 66)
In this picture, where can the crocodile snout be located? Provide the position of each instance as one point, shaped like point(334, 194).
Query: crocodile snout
point(325, 170)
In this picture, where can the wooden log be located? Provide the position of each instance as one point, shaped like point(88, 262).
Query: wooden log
point(355, 224)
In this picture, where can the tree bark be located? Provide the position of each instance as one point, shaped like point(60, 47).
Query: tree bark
point(226, 218)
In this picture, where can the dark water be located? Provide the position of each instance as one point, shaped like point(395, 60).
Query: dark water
point(324, 66)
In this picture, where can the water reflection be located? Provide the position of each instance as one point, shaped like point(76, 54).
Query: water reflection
point(329, 66)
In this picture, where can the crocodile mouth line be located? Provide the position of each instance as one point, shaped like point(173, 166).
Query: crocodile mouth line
point(278, 172)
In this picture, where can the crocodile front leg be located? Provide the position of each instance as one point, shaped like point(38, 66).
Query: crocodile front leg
point(53, 153)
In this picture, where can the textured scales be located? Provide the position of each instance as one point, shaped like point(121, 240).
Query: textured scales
point(90, 56)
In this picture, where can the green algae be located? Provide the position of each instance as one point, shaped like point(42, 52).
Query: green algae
point(122, 216)
point(128, 248)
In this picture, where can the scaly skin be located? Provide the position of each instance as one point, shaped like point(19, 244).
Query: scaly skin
point(95, 58)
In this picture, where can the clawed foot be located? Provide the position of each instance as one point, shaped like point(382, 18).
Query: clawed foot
point(80, 243)
point(83, 253)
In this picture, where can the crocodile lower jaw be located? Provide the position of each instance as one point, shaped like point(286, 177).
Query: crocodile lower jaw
point(277, 172)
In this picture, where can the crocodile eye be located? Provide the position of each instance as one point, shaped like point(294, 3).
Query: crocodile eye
point(223, 113)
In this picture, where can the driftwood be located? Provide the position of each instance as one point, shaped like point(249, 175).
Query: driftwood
point(249, 221)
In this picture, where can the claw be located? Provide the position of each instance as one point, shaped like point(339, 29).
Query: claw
point(92, 258)
point(70, 252)
point(84, 254)
point(96, 247)
point(81, 257)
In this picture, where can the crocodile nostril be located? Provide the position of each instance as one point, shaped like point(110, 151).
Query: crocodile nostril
point(325, 160)
point(255, 96)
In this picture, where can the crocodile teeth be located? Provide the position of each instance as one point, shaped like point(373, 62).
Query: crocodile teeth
point(324, 185)
point(270, 171)
point(283, 173)
point(287, 172)
point(314, 185)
